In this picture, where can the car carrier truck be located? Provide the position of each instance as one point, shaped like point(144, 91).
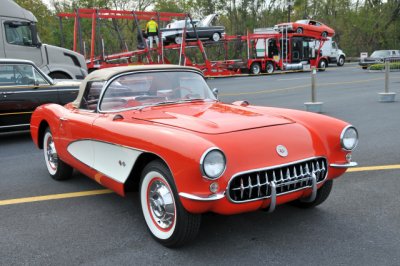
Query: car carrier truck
point(19, 40)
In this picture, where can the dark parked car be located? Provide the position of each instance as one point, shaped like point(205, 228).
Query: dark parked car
point(378, 57)
point(23, 87)
point(173, 32)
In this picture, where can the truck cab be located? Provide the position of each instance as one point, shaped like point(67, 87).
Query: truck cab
point(19, 40)
point(331, 50)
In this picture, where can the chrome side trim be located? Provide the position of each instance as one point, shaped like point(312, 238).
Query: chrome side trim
point(212, 197)
point(345, 165)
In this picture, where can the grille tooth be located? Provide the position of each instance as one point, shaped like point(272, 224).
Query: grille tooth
point(241, 188)
point(250, 187)
point(257, 184)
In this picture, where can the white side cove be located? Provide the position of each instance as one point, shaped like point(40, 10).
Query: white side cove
point(112, 160)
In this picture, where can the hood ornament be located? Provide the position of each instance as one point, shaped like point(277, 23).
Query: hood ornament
point(282, 150)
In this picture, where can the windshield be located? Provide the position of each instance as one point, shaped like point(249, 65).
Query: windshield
point(381, 53)
point(138, 90)
point(302, 21)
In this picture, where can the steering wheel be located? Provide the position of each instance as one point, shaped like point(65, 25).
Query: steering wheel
point(180, 90)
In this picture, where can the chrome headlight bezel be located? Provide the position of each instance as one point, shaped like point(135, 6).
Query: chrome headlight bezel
point(342, 137)
point(203, 162)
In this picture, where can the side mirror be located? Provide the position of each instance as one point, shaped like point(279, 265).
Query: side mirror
point(215, 92)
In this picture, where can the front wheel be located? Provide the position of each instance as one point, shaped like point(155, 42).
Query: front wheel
point(299, 30)
point(324, 34)
point(341, 60)
point(322, 65)
point(322, 194)
point(57, 169)
point(168, 222)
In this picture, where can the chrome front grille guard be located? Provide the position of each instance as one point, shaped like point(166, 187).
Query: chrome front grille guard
point(269, 183)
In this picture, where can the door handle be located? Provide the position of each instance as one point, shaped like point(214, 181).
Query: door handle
point(63, 119)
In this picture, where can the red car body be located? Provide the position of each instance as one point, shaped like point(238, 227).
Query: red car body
point(307, 27)
point(259, 146)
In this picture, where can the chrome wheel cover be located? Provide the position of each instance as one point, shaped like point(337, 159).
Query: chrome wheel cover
point(51, 153)
point(161, 204)
point(255, 68)
point(215, 37)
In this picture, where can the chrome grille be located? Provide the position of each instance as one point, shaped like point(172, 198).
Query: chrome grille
point(257, 184)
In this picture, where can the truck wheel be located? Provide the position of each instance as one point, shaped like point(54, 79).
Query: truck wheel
point(341, 60)
point(255, 68)
point(216, 37)
point(322, 194)
point(168, 222)
point(59, 75)
point(299, 30)
point(322, 65)
point(270, 68)
point(57, 169)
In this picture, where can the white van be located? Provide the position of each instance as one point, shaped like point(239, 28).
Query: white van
point(19, 40)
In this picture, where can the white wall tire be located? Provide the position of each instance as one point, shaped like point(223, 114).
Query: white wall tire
point(168, 222)
point(57, 169)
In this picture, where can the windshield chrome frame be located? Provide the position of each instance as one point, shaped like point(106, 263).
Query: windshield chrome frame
point(108, 82)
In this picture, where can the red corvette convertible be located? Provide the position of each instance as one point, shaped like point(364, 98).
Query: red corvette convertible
point(306, 26)
point(161, 130)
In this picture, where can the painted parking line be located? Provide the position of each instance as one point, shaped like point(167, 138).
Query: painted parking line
point(374, 168)
point(107, 191)
point(56, 196)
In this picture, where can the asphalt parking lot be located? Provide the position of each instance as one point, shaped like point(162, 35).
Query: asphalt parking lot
point(358, 225)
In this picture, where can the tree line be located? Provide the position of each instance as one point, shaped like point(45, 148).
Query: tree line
point(360, 25)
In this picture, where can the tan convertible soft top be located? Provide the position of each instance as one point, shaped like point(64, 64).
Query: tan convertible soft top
point(106, 73)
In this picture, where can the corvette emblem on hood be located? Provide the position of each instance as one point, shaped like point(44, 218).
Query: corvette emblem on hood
point(282, 151)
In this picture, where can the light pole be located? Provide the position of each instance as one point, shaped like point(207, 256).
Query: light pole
point(289, 4)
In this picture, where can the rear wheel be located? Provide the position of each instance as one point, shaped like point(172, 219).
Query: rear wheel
point(270, 68)
point(215, 37)
point(322, 194)
point(255, 68)
point(57, 169)
point(299, 30)
point(168, 222)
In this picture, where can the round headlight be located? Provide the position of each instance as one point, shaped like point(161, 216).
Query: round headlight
point(213, 163)
point(349, 138)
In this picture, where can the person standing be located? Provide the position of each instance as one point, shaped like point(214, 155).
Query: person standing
point(152, 31)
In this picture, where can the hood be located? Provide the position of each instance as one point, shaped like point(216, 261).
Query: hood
point(206, 22)
point(62, 56)
point(67, 82)
point(210, 118)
